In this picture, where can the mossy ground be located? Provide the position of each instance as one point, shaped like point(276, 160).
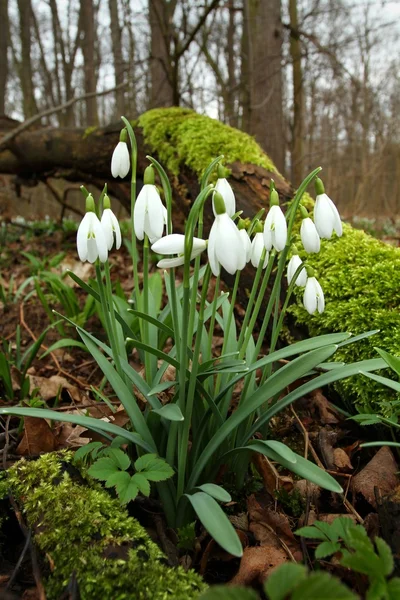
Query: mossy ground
point(82, 530)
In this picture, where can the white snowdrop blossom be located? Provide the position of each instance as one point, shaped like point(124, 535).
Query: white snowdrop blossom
point(120, 162)
point(175, 244)
point(225, 246)
point(309, 236)
point(257, 247)
point(149, 214)
point(275, 229)
point(110, 225)
point(326, 217)
point(313, 298)
point(223, 187)
point(91, 239)
point(246, 243)
point(294, 264)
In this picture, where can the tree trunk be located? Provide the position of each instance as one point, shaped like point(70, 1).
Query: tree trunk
point(163, 72)
point(25, 65)
point(4, 33)
point(264, 113)
point(119, 66)
point(88, 42)
point(298, 98)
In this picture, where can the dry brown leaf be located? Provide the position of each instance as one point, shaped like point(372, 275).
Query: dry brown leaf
point(341, 460)
point(50, 387)
point(306, 488)
point(271, 478)
point(257, 562)
point(328, 414)
point(38, 437)
point(379, 473)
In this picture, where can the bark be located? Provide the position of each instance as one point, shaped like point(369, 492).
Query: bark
point(298, 97)
point(25, 64)
point(163, 72)
point(119, 67)
point(263, 115)
point(4, 33)
point(88, 44)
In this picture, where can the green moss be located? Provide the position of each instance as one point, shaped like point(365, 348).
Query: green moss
point(360, 277)
point(82, 530)
point(182, 137)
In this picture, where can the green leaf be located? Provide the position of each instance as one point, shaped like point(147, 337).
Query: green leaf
point(119, 457)
point(392, 361)
point(102, 469)
point(393, 588)
point(88, 422)
point(394, 385)
point(64, 343)
point(153, 467)
point(385, 554)
point(223, 592)
point(283, 580)
point(161, 387)
point(326, 549)
point(83, 451)
point(117, 478)
point(322, 586)
point(142, 483)
point(216, 522)
point(377, 590)
point(281, 449)
point(127, 490)
point(216, 491)
point(312, 532)
point(172, 412)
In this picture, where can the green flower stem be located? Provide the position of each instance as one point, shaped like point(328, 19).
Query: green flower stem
point(251, 301)
point(149, 359)
point(107, 318)
point(228, 325)
point(195, 281)
point(184, 432)
point(212, 318)
point(116, 328)
point(134, 251)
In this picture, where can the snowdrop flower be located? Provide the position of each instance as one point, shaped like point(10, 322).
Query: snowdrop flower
point(175, 244)
point(245, 239)
point(326, 215)
point(257, 247)
point(225, 246)
point(309, 236)
point(121, 162)
point(293, 265)
point(110, 225)
point(91, 240)
point(275, 226)
point(313, 298)
point(149, 211)
point(223, 187)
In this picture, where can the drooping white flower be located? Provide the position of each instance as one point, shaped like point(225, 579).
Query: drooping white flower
point(225, 246)
point(223, 187)
point(175, 244)
point(326, 215)
point(91, 240)
point(275, 229)
point(257, 247)
point(309, 236)
point(110, 225)
point(121, 162)
point(313, 298)
point(294, 264)
point(148, 214)
point(246, 243)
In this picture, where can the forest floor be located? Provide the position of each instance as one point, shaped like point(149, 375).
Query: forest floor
point(275, 503)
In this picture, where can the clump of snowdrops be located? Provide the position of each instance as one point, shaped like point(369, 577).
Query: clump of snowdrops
point(189, 446)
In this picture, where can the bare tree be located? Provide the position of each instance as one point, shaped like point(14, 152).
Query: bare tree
point(88, 50)
point(4, 34)
point(119, 66)
point(298, 97)
point(163, 74)
point(25, 64)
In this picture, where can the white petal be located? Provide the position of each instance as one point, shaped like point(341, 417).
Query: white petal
point(320, 297)
point(337, 223)
point(212, 258)
point(139, 212)
point(326, 217)
point(223, 187)
point(154, 224)
point(279, 235)
point(257, 248)
point(117, 230)
point(310, 296)
point(82, 237)
point(229, 247)
point(120, 162)
point(309, 236)
point(100, 238)
point(293, 265)
point(170, 244)
point(92, 252)
point(246, 243)
point(169, 263)
point(106, 224)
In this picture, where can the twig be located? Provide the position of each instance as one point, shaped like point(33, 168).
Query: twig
point(21, 558)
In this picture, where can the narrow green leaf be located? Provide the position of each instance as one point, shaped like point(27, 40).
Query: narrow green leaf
point(216, 522)
point(64, 343)
point(142, 483)
point(152, 321)
point(102, 469)
point(394, 385)
point(392, 361)
point(161, 387)
point(283, 580)
point(172, 412)
point(279, 448)
point(216, 491)
point(88, 422)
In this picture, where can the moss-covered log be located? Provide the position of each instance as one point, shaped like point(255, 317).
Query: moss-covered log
point(80, 530)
